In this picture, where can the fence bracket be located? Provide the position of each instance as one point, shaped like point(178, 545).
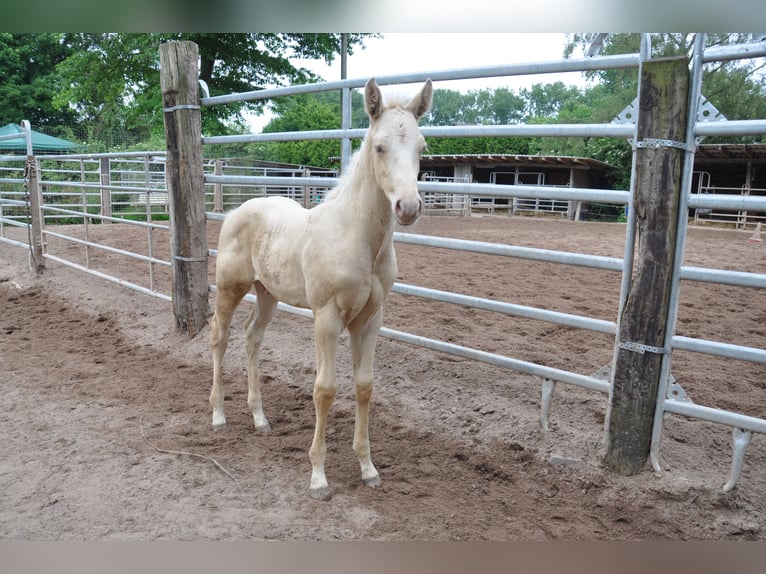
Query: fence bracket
point(640, 348)
point(652, 143)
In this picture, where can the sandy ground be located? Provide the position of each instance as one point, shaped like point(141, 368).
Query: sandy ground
point(99, 394)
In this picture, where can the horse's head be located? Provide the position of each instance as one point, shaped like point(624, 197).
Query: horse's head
point(396, 145)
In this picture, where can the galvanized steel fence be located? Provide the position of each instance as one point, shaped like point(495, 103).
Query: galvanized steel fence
point(86, 188)
point(700, 127)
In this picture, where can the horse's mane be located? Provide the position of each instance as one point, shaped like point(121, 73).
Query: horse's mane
point(345, 175)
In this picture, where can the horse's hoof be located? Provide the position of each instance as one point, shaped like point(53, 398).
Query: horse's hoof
point(263, 429)
point(372, 482)
point(321, 493)
point(219, 426)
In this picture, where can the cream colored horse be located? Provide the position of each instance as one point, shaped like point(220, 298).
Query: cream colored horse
point(336, 259)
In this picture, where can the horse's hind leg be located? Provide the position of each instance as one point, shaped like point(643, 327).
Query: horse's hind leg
point(256, 325)
point(226, 302)
point(363, 340)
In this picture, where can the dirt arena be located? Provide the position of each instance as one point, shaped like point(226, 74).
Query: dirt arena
point(99, 394)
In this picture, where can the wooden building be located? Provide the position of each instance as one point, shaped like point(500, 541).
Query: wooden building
point(558, 171)
point(730, 169)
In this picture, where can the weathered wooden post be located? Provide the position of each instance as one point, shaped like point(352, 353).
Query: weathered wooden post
point(218, 188)
point(642, 329)
point(35, 214)
point(186, 184)
point(105, 177)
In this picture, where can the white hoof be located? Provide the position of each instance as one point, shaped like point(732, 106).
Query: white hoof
point(261, 424)
point(321, 493)
point(219, 421)
point(373, 481)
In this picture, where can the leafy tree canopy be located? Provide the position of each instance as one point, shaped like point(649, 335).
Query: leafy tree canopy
point(113, 79)
point(29, 80)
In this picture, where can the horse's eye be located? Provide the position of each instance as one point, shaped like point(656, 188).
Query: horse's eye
point(379, 149)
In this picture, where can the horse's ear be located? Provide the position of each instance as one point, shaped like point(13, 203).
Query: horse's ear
point(421, 102)
point(373, 99)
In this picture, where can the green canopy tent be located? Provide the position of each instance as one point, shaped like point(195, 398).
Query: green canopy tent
point(41, 143)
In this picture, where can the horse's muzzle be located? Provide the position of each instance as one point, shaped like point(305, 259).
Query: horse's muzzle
point(407, 211)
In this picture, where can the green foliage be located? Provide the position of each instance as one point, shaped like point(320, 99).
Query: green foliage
point(29, 80)
point(308, 112)
point(111, 80)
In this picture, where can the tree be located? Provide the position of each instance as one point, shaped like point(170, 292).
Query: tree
point(736, 88)
point(113, 79)
point(29, 79)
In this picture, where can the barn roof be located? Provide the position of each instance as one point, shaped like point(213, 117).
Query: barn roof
point(489, 160)
point(731, 153)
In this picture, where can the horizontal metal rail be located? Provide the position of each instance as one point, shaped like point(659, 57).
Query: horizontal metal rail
point(529, 191)
point(733, 202)
point(514, 130)
point(734, 52)
point(14, 242)
point(113, 279)
point(546, 255)
point(108, 248)
point(94, 156)
point(499, 360)
point(93, 185)
point(730, 128)
point(522, 69)
point(474, 189)
point(740, 352)
point(13, 202)
point(103, 217)
point(16, 136)
point(713, 415)
point(14, 222)
point(724, 277)
point(515, 310)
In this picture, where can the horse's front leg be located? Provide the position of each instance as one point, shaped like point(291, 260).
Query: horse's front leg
point(363, 339)
point(327, 328)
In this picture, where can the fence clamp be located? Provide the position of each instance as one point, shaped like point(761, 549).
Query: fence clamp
point(653, 143)
point(640, 348)
point(202, 259)
point(181, 107)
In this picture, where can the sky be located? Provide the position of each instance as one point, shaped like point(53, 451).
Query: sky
point(399, 53)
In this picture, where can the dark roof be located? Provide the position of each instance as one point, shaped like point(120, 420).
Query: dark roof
point(731, 153)
point(556, 161)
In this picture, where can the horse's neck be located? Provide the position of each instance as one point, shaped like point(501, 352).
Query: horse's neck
point(368, 211)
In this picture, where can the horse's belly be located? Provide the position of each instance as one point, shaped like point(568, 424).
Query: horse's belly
point(283, 280)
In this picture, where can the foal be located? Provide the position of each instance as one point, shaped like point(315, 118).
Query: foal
point(336, 259)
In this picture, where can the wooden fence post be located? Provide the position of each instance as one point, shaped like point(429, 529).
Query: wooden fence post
point(186, 184)
point(106, 190)
point(218, 188)
point(35, 214)
point(642, 330)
